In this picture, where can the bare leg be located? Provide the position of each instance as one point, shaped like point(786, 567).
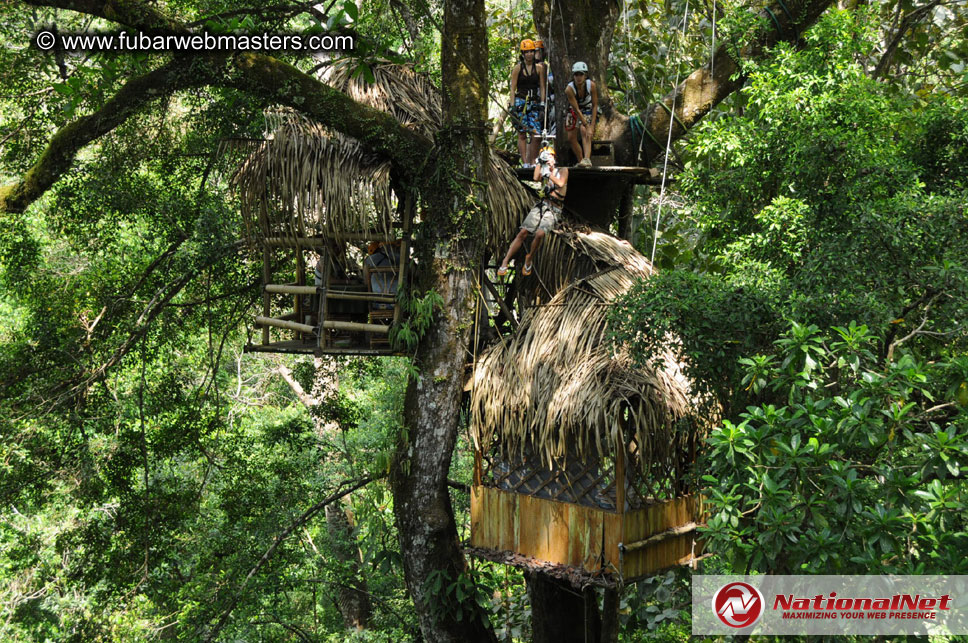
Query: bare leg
point(515, 246)
point(523, 147)
point(535, 244)
point(575, 146)
point(586, 136)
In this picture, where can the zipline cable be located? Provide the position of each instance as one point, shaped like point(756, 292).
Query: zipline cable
point(665, 163)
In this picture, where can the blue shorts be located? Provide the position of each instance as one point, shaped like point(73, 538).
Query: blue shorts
point(527, 121)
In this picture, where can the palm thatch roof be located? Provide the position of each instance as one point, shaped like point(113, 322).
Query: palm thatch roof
point(309, 180)
point(558, 387)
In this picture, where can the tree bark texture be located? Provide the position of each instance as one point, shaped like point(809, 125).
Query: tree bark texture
point(453, 198)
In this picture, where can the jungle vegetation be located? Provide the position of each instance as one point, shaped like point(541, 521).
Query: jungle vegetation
point(158, 483)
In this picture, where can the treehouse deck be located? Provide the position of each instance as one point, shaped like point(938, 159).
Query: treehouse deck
point(594, 193)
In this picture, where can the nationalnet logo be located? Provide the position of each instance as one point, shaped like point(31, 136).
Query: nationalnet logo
point(830, 605)
point(898, 606)
point(738, 604)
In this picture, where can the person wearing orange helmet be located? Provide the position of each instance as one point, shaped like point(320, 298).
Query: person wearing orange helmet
point(528, 84)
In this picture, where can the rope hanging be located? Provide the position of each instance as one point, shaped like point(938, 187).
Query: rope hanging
point(665, 163)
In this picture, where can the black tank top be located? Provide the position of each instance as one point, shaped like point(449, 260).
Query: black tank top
point(527, 83)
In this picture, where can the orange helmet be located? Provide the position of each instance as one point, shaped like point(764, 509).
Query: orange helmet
point(527, 45)
point(539, 44)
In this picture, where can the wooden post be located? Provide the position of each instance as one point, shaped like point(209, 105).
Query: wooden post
point(620, 475)
point(345, 325)
point(300, 281)
point(323, 297)
point(282, 323)
point(319, 242)
point(266, 297)
point(290, 289)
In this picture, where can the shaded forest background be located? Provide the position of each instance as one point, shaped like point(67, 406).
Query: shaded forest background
point(157, 483)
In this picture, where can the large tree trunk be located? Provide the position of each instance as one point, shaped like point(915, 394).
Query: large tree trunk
point(433, 561)
point(577, 30)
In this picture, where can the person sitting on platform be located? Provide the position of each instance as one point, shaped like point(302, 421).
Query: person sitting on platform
point(385, 257)
point(544, 215)
point(582, 115)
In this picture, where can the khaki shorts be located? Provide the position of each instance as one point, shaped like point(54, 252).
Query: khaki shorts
point(544, 215)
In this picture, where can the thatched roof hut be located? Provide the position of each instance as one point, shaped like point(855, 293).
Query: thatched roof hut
point(308, 180)
point(583, 459)
point(558, 389)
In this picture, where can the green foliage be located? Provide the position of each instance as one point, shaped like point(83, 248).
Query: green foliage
point(715, 324)
point(656, 605)
point(419, 312)
point(861, 467)
point(820, 204)
point(831, 198)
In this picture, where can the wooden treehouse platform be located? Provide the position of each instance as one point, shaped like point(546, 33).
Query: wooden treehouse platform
point(317, 301)
point(595, 193)
point(592, 519)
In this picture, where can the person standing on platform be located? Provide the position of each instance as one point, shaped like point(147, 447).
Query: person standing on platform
point(550, 124)
point(582, 116)
point(528, 85)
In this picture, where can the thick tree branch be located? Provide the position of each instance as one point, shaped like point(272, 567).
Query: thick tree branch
point(137, 15)
point(705, 88)
point(281, 83)
point(68, 140)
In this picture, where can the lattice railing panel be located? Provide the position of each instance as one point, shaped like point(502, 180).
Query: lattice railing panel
point(578, 481)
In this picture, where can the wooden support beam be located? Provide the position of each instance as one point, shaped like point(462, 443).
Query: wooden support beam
point(659, 537)
point(323, 300)
point(333, 294)
point(266, 299)
point(281, 323)
point(319, 242)
point(345, 325)
point(290, 290)
point(362, 296)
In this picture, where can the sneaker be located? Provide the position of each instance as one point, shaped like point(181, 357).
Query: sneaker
point(585, 162)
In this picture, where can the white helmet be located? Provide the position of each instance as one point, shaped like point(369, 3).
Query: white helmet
point(579, 67)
